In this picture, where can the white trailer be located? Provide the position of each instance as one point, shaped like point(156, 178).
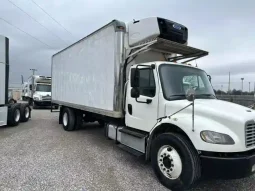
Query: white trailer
point(126, 76)
point(11, 113)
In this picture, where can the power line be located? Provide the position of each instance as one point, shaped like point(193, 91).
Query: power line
point(26, 33)
point(52, 18)
point(36, 21)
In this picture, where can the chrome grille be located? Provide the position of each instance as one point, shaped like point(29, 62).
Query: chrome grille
point(250, 134)
point(46, 98)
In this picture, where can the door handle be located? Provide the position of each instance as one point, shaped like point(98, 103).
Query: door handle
point(148, 101)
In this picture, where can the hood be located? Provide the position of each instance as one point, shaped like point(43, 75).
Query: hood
point(214, 109)
point(37, 93)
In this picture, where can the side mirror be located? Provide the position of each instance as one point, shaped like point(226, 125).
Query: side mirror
point(134, 81)
point(135, 93)
point(190, 94)
point(210, 78)
point(30, 86)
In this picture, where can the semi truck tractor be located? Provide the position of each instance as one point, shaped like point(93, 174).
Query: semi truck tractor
point(38, 91)
point(11, 112)
point(133, 78)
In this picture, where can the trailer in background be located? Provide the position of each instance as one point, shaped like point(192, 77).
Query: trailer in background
point(11, 112)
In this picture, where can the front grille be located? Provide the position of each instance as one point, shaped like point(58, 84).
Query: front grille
point(250, 134)
point(46, 98)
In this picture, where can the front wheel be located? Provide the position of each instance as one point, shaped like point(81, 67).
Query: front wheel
point(175, 161)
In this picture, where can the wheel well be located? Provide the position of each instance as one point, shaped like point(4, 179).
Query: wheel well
point(164, 128)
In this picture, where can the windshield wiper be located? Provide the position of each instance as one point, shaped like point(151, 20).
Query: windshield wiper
point(177, 96)
point(206, 95)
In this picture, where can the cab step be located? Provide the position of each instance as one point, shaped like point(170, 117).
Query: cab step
point(130, 150)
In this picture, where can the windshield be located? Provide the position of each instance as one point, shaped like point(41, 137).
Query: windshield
point(43, 88)
point(176, 80)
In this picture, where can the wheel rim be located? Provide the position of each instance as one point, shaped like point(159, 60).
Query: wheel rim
point(65, 119)
point(26, 112)
point(169, 162)
point(17, 115)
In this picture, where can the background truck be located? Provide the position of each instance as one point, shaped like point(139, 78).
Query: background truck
point(38, 91)
point(126, 77)
point(11, 113)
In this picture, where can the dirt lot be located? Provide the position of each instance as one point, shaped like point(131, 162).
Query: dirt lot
point(40, 155)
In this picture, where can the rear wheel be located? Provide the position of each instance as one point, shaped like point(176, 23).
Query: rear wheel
point(13, 115)
point(175, 161)
point(25, 112)
point(68, 119)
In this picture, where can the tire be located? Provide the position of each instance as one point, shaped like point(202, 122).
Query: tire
point(68, 119)
point(25, 112)
point(184, 168)
point(13, 118)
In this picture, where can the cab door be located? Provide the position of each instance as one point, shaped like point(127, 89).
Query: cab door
point(142, 112)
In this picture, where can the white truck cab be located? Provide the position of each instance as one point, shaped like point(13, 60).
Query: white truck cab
point(152, 103)
point(39, 93)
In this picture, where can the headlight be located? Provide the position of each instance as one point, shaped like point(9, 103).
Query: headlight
point(36, 98)
point(216, 138)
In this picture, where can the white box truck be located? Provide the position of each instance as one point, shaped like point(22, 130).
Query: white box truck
point(38, 90)
point(11, 112)
point(134, 79)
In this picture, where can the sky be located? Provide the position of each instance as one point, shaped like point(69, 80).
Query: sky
point(224, 28)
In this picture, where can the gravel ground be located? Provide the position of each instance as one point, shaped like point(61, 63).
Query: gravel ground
point(40, 155)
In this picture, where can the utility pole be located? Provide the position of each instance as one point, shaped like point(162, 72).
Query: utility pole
point(229, 82)
point(33, 70)
point(249, 87)
point(242, 85)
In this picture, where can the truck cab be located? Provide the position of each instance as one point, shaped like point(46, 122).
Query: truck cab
point(152, 103)
point(39, 93)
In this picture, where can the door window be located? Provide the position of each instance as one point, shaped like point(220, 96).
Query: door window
point(147, 83)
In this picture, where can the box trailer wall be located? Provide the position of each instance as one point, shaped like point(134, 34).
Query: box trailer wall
point(4, 69)
point(88, 73)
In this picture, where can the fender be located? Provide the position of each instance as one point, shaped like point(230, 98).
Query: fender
point(183, 124)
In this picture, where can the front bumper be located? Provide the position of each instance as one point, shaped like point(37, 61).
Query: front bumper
point(230, 167)
point(42, 102)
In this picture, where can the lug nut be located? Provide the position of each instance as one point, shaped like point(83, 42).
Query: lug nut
point(167, 170)
point(171, 169)
point(164, 169)
point(160, 160)
point(161, 165)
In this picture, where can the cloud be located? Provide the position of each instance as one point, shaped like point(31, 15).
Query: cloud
point(224, 28)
